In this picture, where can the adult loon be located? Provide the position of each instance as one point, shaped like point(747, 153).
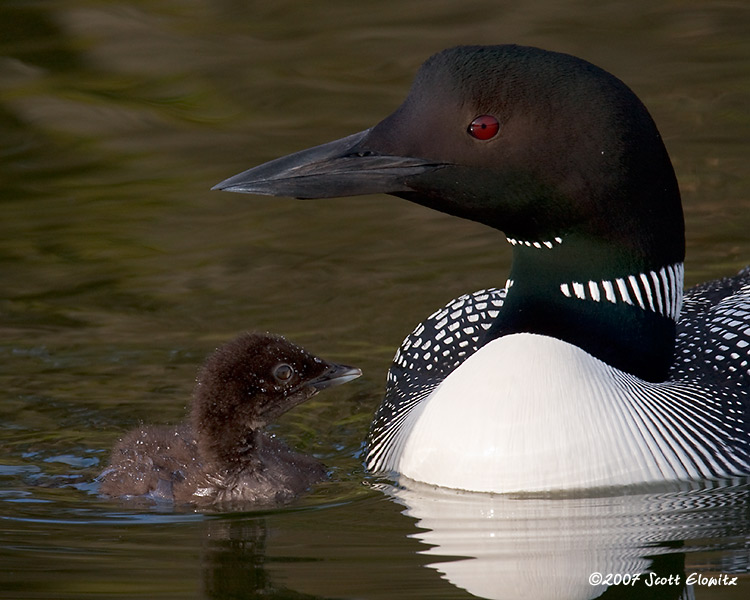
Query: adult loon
point(222, 453)
point(589, 368)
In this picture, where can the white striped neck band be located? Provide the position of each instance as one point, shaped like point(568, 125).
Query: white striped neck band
point(658, 291)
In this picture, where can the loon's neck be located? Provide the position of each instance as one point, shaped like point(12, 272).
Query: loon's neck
point(619, 309)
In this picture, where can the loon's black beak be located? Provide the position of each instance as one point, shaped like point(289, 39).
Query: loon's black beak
point(345, 167)
point(336, 375)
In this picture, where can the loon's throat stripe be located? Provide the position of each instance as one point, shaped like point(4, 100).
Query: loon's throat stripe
point(664, 285)
point(546, 243)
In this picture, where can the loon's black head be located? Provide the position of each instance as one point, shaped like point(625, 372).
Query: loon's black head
point(544, 147)
point(250, 381)
point(576, 152)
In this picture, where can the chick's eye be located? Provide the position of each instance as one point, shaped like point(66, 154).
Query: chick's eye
point(283, 372)
point(484, 127)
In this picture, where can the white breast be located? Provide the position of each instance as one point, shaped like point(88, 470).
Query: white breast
point(532, 413)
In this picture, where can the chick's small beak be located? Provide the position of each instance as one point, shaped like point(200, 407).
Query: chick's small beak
point(335, 375)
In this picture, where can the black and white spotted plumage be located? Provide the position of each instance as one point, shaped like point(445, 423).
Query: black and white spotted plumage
point(569, 377)
point(428, 355)
point(713, 333)
point(704, 409)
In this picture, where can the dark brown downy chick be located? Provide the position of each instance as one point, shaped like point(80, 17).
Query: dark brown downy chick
point(223, 454)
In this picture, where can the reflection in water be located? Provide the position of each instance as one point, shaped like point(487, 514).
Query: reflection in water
point(554, 547)
point(234, 564)
point(120, 270)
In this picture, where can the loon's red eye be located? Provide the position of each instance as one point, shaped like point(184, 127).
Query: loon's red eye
point(484, 127)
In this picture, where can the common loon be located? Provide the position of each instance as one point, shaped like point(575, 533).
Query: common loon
point(222, 453)
point(589, 368)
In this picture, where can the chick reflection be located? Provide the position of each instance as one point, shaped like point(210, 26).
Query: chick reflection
point(234, 564)
point(499, 547)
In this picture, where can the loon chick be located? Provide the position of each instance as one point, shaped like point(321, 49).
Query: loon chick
point(588, 368)
point(222, 454)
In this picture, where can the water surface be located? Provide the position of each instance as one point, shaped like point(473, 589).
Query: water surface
point(121, 270)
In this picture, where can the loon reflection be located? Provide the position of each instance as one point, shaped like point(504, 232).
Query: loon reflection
point(577, 547)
